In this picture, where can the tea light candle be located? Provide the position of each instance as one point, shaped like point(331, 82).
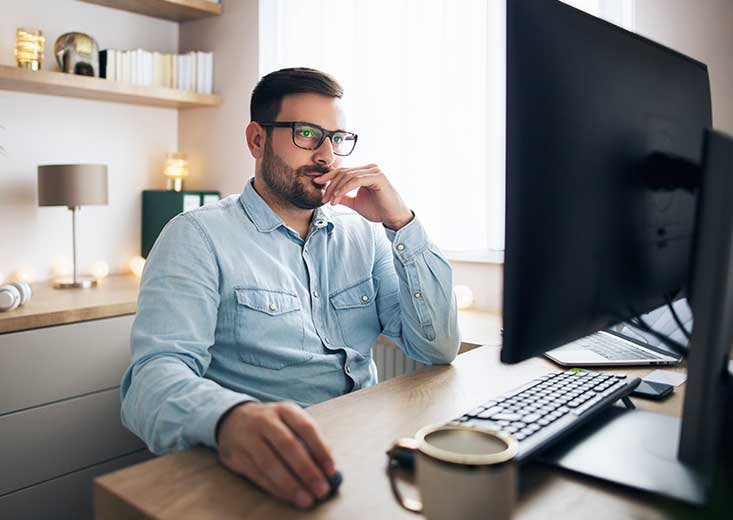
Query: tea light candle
point(29, 48)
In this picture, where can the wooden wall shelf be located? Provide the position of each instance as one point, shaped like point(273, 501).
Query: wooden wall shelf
point(176, 10)
point(70, 85)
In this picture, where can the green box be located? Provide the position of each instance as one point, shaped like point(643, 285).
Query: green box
point(159, 206)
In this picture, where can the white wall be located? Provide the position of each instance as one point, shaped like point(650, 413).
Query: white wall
point(132, 140)
point(702, 30)
point(214, 138)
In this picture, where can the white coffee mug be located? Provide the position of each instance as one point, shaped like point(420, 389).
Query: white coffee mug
point(460, 471)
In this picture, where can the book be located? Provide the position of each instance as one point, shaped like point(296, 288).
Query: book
point(111, 64)
point(103, 63)
point(118, 65)
point(171, 71)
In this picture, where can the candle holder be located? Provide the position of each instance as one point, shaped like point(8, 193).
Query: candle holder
point(29, 48)
point(176, 169)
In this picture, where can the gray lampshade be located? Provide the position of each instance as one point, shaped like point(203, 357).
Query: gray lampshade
point(72, 184)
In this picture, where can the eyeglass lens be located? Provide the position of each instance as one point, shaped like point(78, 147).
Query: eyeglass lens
point(310, 137)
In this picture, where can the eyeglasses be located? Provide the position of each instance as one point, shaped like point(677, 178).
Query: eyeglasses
point(309, 136)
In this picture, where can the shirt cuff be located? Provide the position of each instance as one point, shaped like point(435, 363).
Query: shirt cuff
point(205, 425)
point(409, 241)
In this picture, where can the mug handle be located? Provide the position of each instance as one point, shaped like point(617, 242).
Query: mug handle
point(399, 451)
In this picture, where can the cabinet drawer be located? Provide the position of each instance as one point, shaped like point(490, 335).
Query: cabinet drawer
point(48, 441)
point(44, 365)
point(69, 496)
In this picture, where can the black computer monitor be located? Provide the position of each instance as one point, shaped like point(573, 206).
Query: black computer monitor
point(606, 220)
point(588, 106)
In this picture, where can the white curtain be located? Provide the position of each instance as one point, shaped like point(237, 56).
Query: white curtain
point(424, 85)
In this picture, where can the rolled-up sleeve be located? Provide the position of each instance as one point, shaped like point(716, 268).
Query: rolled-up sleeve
point(416, 305)
point(166, 399)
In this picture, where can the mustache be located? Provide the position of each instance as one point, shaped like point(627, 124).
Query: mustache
point(304, 170)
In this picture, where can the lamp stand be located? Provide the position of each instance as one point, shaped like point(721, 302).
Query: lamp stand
point(76, 282)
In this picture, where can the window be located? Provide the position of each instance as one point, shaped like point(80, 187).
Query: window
point(424, 88)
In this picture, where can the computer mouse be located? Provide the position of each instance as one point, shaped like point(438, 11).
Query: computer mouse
point(334, 483)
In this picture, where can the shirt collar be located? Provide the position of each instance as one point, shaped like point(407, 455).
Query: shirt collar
point(266, 220)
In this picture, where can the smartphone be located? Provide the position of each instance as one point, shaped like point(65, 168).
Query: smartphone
point(653, 390)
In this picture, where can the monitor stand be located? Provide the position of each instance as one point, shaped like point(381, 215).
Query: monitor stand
point(633, 448)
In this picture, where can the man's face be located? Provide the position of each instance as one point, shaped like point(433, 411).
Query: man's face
point(288, 171)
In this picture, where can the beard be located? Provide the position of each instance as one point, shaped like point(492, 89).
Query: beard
point(291, 185)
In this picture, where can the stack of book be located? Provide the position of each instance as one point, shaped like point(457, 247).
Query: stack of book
point(193, 71)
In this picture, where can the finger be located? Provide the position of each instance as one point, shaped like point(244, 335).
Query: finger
point(246, 466)
point(270, 464)
point(329, 175)
point(335, 186)
point(347, 201)
point(337, 173)
point(293, 451)
point(367, 180)
point(328, 194)
point(306, 428)
point(334, 181)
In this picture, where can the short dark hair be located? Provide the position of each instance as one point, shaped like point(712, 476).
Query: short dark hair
point(272, 88)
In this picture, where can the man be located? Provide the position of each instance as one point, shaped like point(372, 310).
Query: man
point(276, 296)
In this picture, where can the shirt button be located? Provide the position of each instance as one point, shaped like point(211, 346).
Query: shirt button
point(348, 369)
point(365, 298)
point(273, 307)
point(418, 295)
point(326, 341)
point(315, 294)
point(400, 247)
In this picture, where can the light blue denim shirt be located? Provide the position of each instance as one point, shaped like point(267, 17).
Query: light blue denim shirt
point(235, 306)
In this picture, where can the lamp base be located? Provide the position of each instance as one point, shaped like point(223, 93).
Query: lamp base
point(80, 283)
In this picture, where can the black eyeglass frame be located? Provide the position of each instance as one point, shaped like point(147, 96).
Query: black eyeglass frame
point(326, 134)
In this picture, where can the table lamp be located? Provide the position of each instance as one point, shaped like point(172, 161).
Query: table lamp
point(72, 185)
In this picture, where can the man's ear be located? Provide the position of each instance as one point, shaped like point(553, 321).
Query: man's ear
point(255, 136)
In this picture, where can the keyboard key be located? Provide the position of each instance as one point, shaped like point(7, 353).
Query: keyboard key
point(506, 417)
point(531, 418)
point(527, 431)
point(488, 426)
point(486, 414)
point(534, 427)
point(519, 424)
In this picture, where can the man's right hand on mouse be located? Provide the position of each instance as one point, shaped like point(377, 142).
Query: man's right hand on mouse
point(279, 447)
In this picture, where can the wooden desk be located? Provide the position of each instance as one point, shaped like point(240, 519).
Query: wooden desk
point(115, 296)
point(360, 427)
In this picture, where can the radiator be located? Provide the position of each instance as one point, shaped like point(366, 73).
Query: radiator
point(391, 362)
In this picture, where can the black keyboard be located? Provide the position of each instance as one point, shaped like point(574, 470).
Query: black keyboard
point(547, 408)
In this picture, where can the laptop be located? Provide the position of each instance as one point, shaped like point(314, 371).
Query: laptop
point(624, 345)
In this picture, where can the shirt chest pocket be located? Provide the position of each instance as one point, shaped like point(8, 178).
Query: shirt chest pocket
point(269, 329)
point(356, 314)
